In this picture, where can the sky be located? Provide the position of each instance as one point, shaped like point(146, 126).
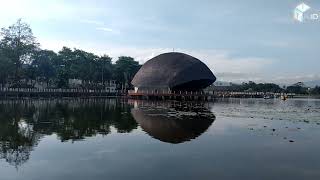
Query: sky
point(239, 41)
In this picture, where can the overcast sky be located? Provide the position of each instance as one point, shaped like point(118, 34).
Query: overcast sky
point(239, 40)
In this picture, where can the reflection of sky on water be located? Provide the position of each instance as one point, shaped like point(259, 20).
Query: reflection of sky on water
point(273, 109)
point(235, 146)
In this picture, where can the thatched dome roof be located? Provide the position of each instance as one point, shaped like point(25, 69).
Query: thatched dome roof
point(174, 70)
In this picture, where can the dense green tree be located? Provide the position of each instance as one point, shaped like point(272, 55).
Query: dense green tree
point(297, 89)
point(62, 66)
point(125, 69)
point(79, 64)
point(268, 87)
point(21, 58)
point(104, 69)
point(6, 68)
point(43, 65)
point(82, 65)
point(260, 87)
point(316, 90)
point(18, 44)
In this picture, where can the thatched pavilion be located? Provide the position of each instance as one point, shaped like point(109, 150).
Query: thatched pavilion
point(173, 72)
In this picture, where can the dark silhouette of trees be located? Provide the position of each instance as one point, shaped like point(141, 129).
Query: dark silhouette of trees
point(42, 65)
point(297, 89)
point(260, 87)
point(104, 69)
point(18, 44)
point(22, 59)
point(316, 90)
point(125, 69)
point(6, 68)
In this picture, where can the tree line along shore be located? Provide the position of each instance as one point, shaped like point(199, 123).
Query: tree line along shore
point(23, 64)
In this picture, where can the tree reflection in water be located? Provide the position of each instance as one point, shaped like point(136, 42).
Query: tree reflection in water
point(172, 122)
point(24, 122)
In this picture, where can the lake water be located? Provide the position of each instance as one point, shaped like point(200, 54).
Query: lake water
point(126, 139)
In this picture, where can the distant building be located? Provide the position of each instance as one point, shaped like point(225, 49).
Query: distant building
point(74, 83)
point(221, 83)
point(173, 72)
point(39, 84)
point(223, 86)
point(110, 86)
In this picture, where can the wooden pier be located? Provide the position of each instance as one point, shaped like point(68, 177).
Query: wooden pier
point(171, 95)
point(163, 95)
point(201, 96)
point(222, 94)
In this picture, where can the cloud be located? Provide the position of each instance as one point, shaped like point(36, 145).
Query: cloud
point(46, 11)
point(105, 29)
point(277, 44)
point(239, 77)
point(293, 78)
point(56, 45)
point(35, 10)
point(94, 22)
point(99, 25)
point(284, 20)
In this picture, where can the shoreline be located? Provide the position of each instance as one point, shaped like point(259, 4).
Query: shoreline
point(127, 97)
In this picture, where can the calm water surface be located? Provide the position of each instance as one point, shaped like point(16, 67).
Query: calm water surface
point(117, 139)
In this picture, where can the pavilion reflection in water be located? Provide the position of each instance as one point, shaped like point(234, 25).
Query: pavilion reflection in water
point(172, 122)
